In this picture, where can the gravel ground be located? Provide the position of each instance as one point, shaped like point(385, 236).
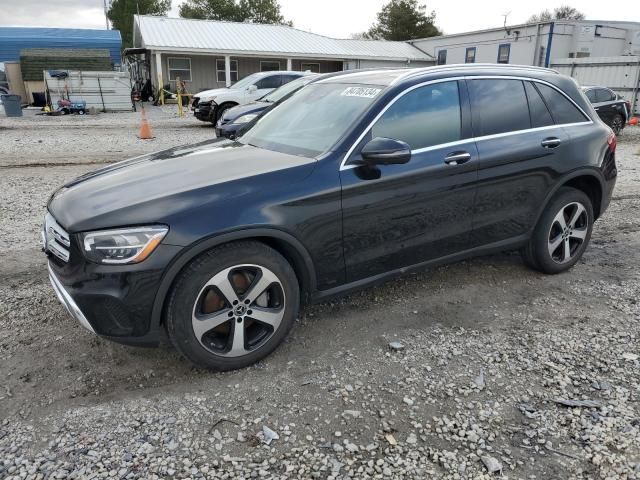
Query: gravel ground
point(41, 140)
point(465, 371)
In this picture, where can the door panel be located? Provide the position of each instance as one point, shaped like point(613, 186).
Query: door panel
point(395, 216)
point(515, 172)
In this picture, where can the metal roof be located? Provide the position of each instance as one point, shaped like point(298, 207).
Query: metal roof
point(15, 39)
point(186, 35)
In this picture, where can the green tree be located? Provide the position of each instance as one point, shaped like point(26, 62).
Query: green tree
point(122, 11)
point(254, 11)
point(564, 12)
point(403, 20)
point(211, 10)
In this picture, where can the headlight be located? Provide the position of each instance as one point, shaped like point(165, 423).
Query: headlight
point(245, 118)
point(207, 99)
point(128, 245)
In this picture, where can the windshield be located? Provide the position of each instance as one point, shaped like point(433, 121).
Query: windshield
point(312, 120)
point(279, 93)
point(246, 81)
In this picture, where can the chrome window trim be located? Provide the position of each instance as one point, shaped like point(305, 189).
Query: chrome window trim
point(343, 163)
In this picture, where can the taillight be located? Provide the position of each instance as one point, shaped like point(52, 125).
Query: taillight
point(612, 140)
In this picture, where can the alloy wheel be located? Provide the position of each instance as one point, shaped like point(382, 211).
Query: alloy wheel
point(238, 310)
point(616, 125)
point(568, 232)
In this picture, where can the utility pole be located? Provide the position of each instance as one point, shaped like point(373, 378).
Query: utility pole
point(107, 5)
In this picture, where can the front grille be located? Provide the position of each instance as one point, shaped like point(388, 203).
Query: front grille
point(55, 238)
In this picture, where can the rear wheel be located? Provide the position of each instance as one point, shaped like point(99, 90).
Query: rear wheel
point(232, 306)
point(562, 234)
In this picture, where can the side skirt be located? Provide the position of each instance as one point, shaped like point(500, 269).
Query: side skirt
point(342, 290)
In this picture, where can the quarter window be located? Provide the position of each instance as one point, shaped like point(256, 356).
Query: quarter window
point(424, 117)
point(499, 106)
point(562, 110)
point(540, 116)
point(220, 76)
point(470, 55)
point(179, 68)
point(503, 52)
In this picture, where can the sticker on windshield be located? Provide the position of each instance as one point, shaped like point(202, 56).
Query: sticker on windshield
point(364, 92)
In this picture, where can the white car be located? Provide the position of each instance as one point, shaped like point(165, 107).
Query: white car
point(209, 105)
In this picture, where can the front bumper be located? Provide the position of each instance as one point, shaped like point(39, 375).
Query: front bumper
point(68, 302)
point(205, 111)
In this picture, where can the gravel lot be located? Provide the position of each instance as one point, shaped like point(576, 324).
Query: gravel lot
point(487, 358)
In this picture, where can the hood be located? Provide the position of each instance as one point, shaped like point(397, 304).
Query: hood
point(210, 93)
point(156, 187)
point(236, 112)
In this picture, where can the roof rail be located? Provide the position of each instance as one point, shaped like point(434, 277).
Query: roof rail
point(459, 66)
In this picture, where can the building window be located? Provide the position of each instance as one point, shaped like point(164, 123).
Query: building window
point(442, 57)
point(220, 76)
point(179, 67)
point(503, 52)
point(269, 66)
point(312, 67)
point(470, 55)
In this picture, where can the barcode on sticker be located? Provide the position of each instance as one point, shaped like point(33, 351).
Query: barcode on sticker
point(365, 92)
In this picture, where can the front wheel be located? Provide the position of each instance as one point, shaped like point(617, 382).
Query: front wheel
point(232, 306)
point(617, 124)
point(562, 233)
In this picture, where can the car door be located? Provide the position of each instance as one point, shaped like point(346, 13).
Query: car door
point(395, 216)
point(520, 147)
point(605, 104)
point(265, 85)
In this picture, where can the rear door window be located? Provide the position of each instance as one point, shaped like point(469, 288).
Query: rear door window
point(562, 109)
point(604, 95)
point(424, 117)
point(499, 106)
point(538, 111)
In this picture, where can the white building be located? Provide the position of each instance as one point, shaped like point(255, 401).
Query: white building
point(535, 44)
point(210, 54)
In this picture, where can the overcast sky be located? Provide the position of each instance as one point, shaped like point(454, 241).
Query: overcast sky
point(336, 18)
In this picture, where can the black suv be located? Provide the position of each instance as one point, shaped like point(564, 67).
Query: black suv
point(614, 110)
point(352, 180)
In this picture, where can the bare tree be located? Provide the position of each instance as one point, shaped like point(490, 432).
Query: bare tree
point(564, 12)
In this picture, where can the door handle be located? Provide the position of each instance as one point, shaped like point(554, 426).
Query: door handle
point(457, 158)
point(551, 142)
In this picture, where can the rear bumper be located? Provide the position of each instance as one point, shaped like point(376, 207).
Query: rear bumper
point(68, 302)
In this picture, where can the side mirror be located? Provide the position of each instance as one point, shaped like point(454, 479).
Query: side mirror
point(252, 88)
point(386, 151)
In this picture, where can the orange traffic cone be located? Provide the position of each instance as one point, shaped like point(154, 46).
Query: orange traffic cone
point(145, 128)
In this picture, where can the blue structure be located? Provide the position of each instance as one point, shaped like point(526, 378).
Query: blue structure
point(14, 39)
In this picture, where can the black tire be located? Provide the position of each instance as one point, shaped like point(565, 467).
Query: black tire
point(187, 292)
point(220, 111)
point(617, 124)
point(548, 232)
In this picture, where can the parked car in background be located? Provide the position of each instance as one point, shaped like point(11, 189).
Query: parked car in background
point(352, 180)
point(611, 107)
point(235, 118)
point(210, 105)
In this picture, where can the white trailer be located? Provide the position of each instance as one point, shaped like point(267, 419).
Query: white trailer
point(620, 74)
point(106, 91)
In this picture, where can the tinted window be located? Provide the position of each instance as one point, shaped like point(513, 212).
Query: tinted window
point(591, 95)
point(272, 81)
point(562, 110)
point(499, 106)
point(288, 78)
point(423, 117)
point(540, 116)
point(604, 95)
